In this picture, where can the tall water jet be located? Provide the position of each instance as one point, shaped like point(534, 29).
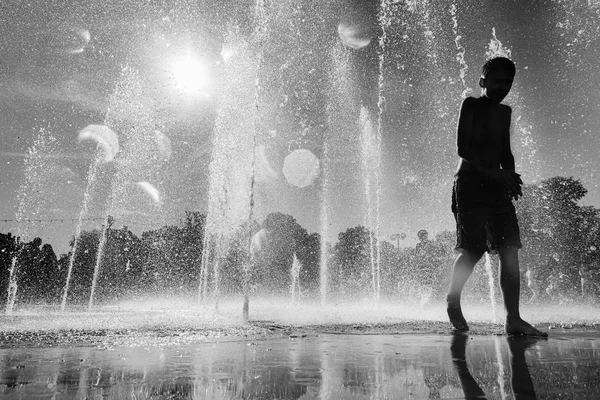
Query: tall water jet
point(341, 152)
point(82, 213)
point(324, 224)
point(338, 109)
point(460, 54)
point(232, 170)
point(106, 150)
point(384, 23)
point(105, 228)
point(140, 156)
point(232, 159)
point(491, 284)
point(371, 164)
point(32, 201)
point(295, 275)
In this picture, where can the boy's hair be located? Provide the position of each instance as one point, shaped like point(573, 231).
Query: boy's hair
point(498, 63)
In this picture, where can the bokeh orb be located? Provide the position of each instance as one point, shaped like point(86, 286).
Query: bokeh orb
point(69, 39)
point(150, 190)
point(354, 35)
point(106, 139)
point(301, 168)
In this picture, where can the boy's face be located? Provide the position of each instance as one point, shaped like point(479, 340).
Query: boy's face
point(497, 84)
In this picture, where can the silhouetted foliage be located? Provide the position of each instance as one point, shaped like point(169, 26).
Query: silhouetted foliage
point(351, 264)
point(173, 255)
point(552, 223)
point(272, 267)
point(561, 241)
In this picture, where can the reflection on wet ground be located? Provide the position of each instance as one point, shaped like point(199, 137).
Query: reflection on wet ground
point(317, 366)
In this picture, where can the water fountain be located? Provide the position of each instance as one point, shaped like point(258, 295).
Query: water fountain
point(31, 203)
point(367, 105)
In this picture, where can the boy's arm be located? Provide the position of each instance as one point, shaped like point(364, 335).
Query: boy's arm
point(507, 161)
point(464, 132)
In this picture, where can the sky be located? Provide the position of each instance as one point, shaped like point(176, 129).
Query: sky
point(208, 98)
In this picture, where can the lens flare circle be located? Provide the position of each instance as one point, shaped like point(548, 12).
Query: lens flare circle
point(106, 138)
point(354, 36)
point(150, 190)
point(301, 168)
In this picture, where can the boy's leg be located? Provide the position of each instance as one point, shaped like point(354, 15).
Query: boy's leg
point(510, 283)
point(461, 271)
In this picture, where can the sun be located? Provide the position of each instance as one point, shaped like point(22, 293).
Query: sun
point(191, 75)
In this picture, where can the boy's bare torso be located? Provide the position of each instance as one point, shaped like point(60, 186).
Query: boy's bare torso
point(489, 130)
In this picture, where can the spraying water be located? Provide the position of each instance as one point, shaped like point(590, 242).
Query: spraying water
point(371, 155)
point(340, 113)
point(460, 55)
point(32, 201)
point(526, 143)
point(139, 158)
point(105, 228)
point(491, 284)
point(12, 286)
point(82, 213)
point(106, 150)
point(384, 23)
point(324, 223)
point(232, 169)
point(295, 275)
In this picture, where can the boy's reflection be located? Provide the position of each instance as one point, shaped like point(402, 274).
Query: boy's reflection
point(520, 380)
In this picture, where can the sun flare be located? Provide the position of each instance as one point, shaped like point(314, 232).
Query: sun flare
point(190, 75)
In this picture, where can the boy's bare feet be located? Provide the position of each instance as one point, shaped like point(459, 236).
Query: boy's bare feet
point(455, 314)
point(516, 326)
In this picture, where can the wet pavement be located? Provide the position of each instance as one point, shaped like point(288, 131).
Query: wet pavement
point(311, 366)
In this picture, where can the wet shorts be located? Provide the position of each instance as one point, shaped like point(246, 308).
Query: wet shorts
point(485, 216)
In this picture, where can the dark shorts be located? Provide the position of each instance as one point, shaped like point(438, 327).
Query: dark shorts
point(485, 216)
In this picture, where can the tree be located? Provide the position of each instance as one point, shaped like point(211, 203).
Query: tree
point(83, 265)
point(120, 265)
point(308, 250)
point(351, 261)
point(273, 267)
point(553, 222)
point(50, 283)
point(29, 271)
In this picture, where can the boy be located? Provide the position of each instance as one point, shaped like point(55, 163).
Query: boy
point(484, 186)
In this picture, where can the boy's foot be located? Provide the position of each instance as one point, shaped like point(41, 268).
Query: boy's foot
point(520, 327)
point(455, 314)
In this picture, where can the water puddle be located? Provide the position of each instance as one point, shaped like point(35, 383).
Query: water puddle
point(417, 366)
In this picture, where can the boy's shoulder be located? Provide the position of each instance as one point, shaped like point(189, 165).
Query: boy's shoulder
point(476, 102)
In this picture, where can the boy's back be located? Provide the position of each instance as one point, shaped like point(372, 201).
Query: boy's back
point(490, 125)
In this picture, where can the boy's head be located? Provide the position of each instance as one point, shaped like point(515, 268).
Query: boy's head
point(497, 76)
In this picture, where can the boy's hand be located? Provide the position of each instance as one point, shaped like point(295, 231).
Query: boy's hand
point(509, 180)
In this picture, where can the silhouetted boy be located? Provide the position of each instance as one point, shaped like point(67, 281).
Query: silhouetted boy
point(484, 186)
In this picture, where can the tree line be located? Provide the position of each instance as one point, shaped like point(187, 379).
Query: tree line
point(560, 259)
